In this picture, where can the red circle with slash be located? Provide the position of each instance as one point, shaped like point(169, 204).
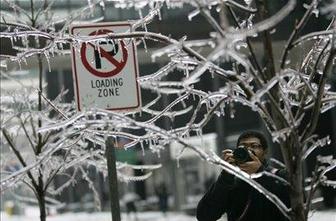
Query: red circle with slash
point(119, 65)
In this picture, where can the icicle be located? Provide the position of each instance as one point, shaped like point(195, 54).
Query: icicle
point(140, 14)
point(184, 104)
point(47, 59)
point(141, 144)
point(115, 47)
point(199, 132)
point(158, 154)
point(194, 96)
point(144, 25)
point(24, 40)
point(178, 162)
point(60, 45)
point(172, 117)
point(12, 43)
point(186, 71)
point(193, 14)
point(37, 41)
point(19, 62)
point(52, 51)
point(232, 110)
point(25, 60)
point(144, 44)
point(102, 4)
point(142, 147)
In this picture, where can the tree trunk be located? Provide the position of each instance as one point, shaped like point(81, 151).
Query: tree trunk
point(297, 195)
point(42, 205)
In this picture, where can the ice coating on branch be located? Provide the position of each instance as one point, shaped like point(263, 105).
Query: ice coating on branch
point(315, 144)
point(222, 59)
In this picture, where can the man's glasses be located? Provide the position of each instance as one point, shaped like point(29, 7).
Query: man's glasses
point(252, 146)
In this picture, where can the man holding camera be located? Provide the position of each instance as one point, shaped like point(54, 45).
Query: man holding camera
point(237, 198)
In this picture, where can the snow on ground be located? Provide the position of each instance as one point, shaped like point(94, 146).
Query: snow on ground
point(104, 216)
point(328, 215)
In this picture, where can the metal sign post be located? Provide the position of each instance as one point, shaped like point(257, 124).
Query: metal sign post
point(112, 178)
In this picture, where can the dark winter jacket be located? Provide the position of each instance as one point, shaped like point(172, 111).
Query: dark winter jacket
point(242, 202)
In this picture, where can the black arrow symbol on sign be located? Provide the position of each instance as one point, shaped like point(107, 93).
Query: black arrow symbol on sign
point(113, 52)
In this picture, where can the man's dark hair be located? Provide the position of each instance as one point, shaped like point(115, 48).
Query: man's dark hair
point(256, 134)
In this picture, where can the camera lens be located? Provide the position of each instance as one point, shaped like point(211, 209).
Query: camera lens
point(241, 154)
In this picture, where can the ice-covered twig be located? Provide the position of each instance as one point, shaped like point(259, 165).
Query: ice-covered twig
point(297, 29)
point(265, 24)
point(314, 35)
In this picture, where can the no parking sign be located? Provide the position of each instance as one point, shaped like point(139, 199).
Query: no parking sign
point(105, 72)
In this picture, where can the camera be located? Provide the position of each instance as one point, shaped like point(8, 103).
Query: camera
point(241, 154)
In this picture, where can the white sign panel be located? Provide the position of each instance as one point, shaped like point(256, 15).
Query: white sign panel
point(105, 72)
point(207, 142)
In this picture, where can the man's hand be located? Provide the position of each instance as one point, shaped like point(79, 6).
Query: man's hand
point(251, 167)
point(227, 155)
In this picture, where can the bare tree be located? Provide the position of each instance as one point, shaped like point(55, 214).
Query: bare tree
point(285, 94)
point(29, 158)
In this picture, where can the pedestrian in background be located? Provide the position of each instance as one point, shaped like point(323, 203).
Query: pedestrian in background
point(162, 194)
point(129, 200)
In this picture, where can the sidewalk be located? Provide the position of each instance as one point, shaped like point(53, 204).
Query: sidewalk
point(328, 215)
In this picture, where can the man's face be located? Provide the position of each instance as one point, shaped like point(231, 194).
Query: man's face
point(254, 144)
